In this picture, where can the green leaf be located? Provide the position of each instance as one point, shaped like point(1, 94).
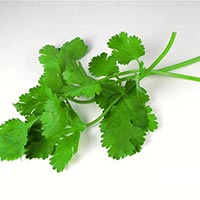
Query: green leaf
point(32, 103)
point(64, 151)
point(54, 64)
point(59, 119)
point(110, 91)
point(13, 137)
point(54, 61)
point(49, 57)
point(76, 91)
point(75, 49)
point(126, 48)
point(124, 127)
point(52, 79)
point(79, 82)
point(54, 58)
point(103, 65)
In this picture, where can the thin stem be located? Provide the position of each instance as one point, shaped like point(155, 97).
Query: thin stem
point(82, 101)
point(181, 64)
point(175, 75)
point(104, 113)
point(169, 74)
point(154, 64)
point(165, 69)
point(162, 72)
point(160, 57)
point(107, 109)
point(115, 75)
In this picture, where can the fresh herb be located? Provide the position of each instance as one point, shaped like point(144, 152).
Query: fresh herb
point(51, 128)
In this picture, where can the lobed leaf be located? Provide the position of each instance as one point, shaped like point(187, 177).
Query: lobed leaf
point(126, 48)
point(75, 49)
point(32, 103)
point(79, 83)
point(13, 138)
point(64, 151)
point(103, 65)
point(59, 119)
point(125, 126)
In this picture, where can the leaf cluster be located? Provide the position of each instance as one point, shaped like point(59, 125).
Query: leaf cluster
point(52, 129)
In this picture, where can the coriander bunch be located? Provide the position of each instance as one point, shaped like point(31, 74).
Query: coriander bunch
point(52, 129)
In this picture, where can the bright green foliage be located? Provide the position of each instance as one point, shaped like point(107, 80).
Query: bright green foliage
point(55, 60)
point(61, 130)
point(64, 151)
point(49, 57)
point(53, 64)
point(103, 65)
point(52, 129)
point(59, 119)
point(126, 48)
point(13, 137)
point(49, 116)
point(125, 126)
point(32, 103)
point(79, 82)
point(75, 49)
point(110, 91)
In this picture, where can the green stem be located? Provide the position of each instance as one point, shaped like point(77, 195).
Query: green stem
point(107, 109)
point(181, 64)
point(169, 74)
point(115, 75)
point(160, 57)
point(104, 113)
point(175, 75)
point(165, 69)
point(154, 64)
point(163, 72)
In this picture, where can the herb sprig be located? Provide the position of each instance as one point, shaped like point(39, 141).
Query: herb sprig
point(51, 128)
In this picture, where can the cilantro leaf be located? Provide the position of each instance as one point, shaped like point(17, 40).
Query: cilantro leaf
point(124, 127)
point(59, 119)
point(110, 91)
point(75, 49)
point(61, 125)
point(52, 128)
point(64, 151)
point(54, 58)
point(13, 137)
point(54, 61)
point(126, 48)
point(103, 65)
point(52, 80)
point(32, 103)
point(79, 83)
point(49, 57)
point(54, 64)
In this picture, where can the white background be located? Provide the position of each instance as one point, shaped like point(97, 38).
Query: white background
point(168, 167)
